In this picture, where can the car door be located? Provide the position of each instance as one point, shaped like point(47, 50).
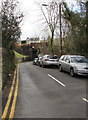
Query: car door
point(67, 64)
point(63, 63)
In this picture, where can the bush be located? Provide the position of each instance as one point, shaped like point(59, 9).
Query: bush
point(8, 64)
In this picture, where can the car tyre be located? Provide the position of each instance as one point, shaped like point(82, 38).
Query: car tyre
point(72, 72)
point(60, 68)
point(40, 65)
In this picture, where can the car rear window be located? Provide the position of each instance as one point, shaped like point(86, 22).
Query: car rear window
point(53, 57)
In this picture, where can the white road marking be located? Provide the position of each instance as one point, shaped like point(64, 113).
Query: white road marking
point(57, 80)
point(85, 99)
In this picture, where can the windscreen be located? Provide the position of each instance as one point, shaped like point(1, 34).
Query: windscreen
point(79, 60)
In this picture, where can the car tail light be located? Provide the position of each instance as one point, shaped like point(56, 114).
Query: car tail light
point(57, 60)
point(46, 59)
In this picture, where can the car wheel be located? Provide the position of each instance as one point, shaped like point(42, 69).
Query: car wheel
point(33, 63)
point(60, 68)
point(72, 72)
point(40, 65)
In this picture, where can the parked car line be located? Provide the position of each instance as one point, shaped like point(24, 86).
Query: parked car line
point(74, 64)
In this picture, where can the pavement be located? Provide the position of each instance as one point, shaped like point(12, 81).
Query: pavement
point(48, 93)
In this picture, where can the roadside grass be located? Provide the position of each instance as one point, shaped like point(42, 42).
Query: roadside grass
point(9, 65)
point(19, 57)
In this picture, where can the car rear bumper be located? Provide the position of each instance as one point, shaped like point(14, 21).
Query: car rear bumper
point(50, 63)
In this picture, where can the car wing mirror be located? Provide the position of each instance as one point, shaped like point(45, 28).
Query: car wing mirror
point(68, 61)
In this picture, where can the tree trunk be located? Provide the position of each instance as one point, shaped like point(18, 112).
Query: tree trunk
point(51, 42)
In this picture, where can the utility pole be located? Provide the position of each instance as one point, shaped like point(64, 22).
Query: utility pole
point(87, 29)
point(60, 30)
point(86, 49)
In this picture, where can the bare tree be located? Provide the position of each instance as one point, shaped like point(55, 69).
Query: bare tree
point(51, 15)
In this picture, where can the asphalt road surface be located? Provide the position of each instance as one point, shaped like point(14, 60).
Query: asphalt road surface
point(48, 93)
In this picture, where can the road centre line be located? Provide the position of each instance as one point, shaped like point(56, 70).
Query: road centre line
point(85, 99)
point(56, 80)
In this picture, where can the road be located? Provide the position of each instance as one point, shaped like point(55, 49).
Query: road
point(48, 93)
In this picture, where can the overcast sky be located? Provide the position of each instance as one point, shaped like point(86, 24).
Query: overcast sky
point(30, 26)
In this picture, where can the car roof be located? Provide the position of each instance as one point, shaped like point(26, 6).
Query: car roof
point(46, 55)
point(49, 55)
point(73, 55)
point(36, 58)
point(76, 56)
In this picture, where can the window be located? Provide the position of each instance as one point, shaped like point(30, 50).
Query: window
point(79, 60)
point(53, 57)
point(67, 59)
point(62, 57)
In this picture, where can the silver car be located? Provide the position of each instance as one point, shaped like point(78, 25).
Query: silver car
point(35, 61)
point(73, 64)
point(48, 60)
point(39, 60)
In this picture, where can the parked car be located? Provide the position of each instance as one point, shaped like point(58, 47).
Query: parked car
point(39, 59)
point(35, 61)
point(74, 64)
point(48, 60)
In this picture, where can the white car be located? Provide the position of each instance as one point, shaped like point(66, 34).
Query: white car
point(35, 61)
point(39, 60)
point(48, 60)
point(74, 64)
